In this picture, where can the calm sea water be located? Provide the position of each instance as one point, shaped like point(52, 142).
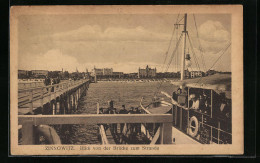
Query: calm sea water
point(127, 93)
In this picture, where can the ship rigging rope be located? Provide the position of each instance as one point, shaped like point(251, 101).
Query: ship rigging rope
point(173, 53)
point(167, 52)
point(217, 59)
point(220, 55)
point(177, 22)
point(200, 47)
point(194, 54)
point(171, 58)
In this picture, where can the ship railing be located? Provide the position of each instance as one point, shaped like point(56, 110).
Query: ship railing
point(30, 95)
point(219, 132)
point(181, 120)
point(29, 121)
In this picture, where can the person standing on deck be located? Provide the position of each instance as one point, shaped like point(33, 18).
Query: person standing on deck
point(195, 102)
point(182, 96)
point(122, 111)
point(204, 102)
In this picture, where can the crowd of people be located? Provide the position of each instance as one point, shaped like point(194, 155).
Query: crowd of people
point(51, 81)
point(135, 128)
point(200, 100)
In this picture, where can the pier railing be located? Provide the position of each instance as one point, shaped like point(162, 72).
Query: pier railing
point(152, 130)
point(29, 121)
point(26, 85)
point(27, 97)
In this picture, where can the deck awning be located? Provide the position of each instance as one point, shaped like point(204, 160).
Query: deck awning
point(221, 82)
point(217, 82)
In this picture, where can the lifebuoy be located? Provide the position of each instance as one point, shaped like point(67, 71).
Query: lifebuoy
point(193, 130)
point(49, 134)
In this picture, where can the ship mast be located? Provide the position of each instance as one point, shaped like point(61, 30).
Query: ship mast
point(184, 33)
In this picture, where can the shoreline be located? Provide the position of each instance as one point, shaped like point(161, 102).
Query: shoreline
point(140, 80)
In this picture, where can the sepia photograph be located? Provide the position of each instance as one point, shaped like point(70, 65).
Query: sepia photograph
point(126, 80)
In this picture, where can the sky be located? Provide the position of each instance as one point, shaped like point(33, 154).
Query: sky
point(122, 42)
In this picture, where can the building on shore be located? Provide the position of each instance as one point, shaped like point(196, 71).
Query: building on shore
point(195, 74)
point(40, 72)
point(147, 72)
point(133, 75)
point(102, 71)
point(167, 75)
point(211, 72)
point(118, 74)
point(23, 74)
point(107, 71)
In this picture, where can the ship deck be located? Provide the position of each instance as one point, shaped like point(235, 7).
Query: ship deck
point(181, 138)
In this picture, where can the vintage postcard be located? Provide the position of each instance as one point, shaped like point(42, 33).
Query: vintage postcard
point(126, 80)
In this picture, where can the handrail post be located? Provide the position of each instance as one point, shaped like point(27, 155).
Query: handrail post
point(218, 131)
point(97, 108)
point(31, 101)
point(181, 119)
point(166, 133)
point(49, 93)
point(27, 134)
point(54, 90)
point(202, 119)
point(176, 109)
point(211, 103)
point(161, 133)
point(188, 121)
point(188, 96)
point(42, 92)
point(211, 133)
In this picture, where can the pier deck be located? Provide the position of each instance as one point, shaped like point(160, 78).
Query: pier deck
point(30, 99)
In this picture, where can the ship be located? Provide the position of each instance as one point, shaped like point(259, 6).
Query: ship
point(210, 122)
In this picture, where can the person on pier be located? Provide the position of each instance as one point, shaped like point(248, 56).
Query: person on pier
point(137, 126)
point(101, 111)
point(112, 110)
point(132, 111)
point(122, 111)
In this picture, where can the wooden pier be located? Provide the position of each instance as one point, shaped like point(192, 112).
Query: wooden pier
point(47, 103)
point(59, 98)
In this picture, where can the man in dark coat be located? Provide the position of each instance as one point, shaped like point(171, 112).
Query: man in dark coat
point(112, 110)
point(122, 111)
point(137, 126)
